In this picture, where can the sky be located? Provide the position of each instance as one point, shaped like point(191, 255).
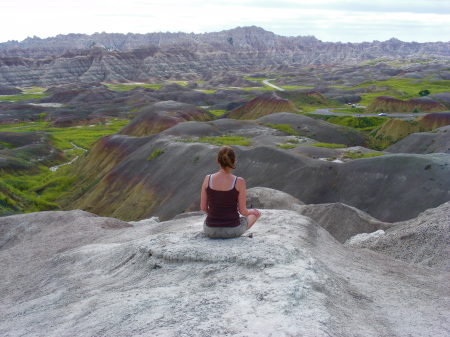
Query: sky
point(327, 20)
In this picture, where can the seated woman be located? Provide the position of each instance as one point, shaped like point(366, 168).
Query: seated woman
point(222, 196)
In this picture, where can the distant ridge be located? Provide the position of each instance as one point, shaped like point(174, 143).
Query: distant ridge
point(241, 38)
point(103, 57)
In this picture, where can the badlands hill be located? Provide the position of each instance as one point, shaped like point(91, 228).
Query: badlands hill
point(397, 129)
point(389, 104)
point(424, 142)
point(142, 57)
point(77, 274)
point(132, 177)
point(16, 150)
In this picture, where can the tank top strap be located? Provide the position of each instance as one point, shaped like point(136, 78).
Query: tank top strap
point(210, 181)
point(234, 182)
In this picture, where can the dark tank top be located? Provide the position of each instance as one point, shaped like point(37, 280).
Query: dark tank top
point(222, 207)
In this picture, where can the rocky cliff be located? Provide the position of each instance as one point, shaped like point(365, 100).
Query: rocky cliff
point(76, 274)
point(139, 57)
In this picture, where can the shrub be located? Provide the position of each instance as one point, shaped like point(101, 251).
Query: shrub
point(155, 154)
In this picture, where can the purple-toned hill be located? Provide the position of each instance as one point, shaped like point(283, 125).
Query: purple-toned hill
point(389, 104)
point(162, 116)
point(263, 105)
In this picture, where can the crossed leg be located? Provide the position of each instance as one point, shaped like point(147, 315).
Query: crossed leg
point(252, 219)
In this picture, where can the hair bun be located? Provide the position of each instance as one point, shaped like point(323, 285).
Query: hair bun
point(226, 157)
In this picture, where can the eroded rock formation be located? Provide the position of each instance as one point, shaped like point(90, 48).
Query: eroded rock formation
point(25, 151)
point(262, 106)
point(162, 116)
point(74, 273)
point(141, 57)
point(390, 104)
point(136, 177)
point(397, 129)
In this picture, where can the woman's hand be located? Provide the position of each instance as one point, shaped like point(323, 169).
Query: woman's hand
point(255, 212)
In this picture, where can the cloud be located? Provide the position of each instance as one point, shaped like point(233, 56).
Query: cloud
point(328, 20)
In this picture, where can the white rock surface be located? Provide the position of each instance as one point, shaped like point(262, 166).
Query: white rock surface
point(76, 274)
point(363, 237)
point(424, 240)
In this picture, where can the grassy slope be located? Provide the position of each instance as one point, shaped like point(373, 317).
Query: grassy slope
point(28, 93)
point(20, 192)
point(24, 192)
point(402, 88)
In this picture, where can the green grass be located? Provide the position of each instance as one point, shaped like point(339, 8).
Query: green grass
point(360, 123)
point(207, 91)
point(182, 83)
point(259, 79)
point(21, 193)
point(329, 145)
point(217, 112)
point(265, 88)
point(7, 145)
point(223, 140)
point(294, 87)
point(349, 110)
point(28, 93)
point(353, 155)
point(39, 189)
point(126, 87)
point(287, 146)
point(84, 136)
point(402, 88)
point(15, 98)
point(283, 127)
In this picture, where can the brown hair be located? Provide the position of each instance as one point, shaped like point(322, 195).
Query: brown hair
point(226, 157)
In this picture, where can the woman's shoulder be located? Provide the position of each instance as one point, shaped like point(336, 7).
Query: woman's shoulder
point(240, 183)
point(206, 180)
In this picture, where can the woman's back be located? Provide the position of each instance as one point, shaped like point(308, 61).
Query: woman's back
point(222, 201)
point(222, 182)
point(223, 198)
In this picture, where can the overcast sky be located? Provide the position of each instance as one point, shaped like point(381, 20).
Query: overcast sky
point(327, 20)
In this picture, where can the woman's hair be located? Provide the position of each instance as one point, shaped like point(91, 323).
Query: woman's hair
point(226, 157)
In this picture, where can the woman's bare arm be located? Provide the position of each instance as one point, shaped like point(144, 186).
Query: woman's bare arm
point(204, 196)
point(242, 199)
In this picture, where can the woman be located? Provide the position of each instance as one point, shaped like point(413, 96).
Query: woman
point(223, 195)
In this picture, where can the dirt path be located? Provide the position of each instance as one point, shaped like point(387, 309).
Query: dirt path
point(55, 168)
point(266, 82)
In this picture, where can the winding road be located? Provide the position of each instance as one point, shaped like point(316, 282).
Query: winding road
point(397, 115)
point(328, 112)
point(266, 82)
